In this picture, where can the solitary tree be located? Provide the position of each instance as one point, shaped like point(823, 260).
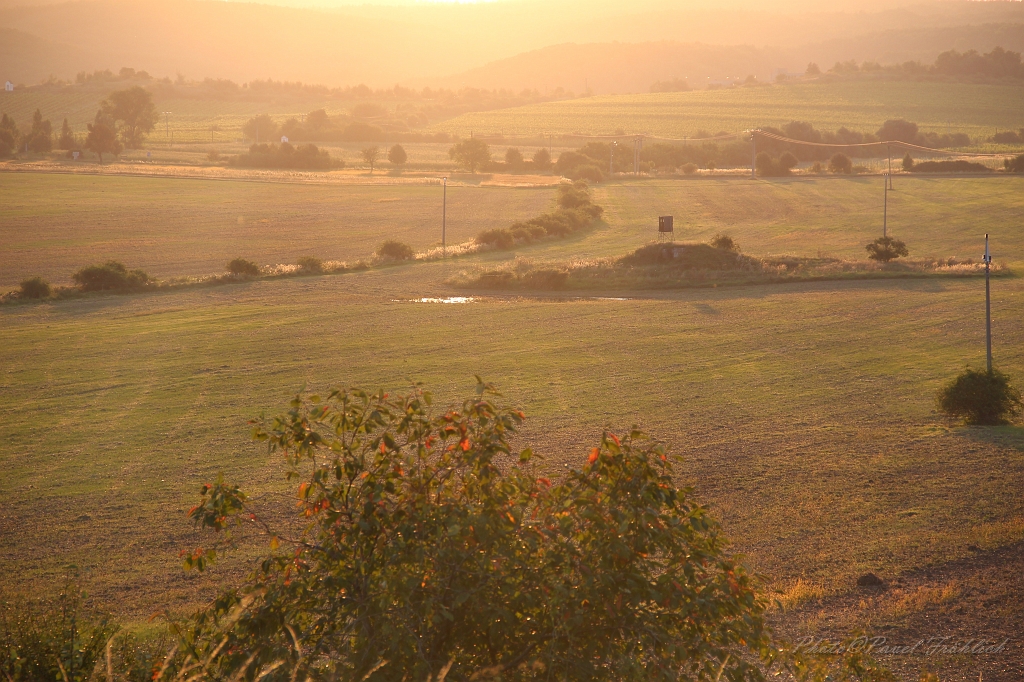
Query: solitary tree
point(67, 137)
point(397, 155)
point(135, 111)
point(513, 158)
point(885, 249)
point(370, 156)
point(813, 69)
point(541, 159)
point(8, 135)
point(898, 130)
point(102, 137)
point(840, 163)
point(40, 138)
point(908, 162)
point(471, 154)
point(260, 128)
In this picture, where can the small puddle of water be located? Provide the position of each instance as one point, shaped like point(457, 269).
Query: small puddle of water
point(450, 299)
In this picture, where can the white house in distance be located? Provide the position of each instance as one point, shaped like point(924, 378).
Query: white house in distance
point(9, 86)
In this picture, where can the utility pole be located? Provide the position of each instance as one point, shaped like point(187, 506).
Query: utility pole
point(988, 307)
point(167, 124)
point(888, 148)
point(611, 159)
point(753, 155)
point(444, 217)
point(885, 207)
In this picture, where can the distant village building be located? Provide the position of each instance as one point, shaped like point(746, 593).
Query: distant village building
point(284, 139)
point(9, 86)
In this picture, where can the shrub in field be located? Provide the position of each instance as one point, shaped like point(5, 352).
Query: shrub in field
point(840, 163)
point(471, 154)
point(816, 167)
point(395, 250)
point(397, 156)
point(724, 242)
point(686, 257)
point(427, 547)
point(885, 249)
point(241, 266)
point(689, 168)
point(498, 237)
point(575, 212)
point(111, 276)
point(304, 157)
point(908, 162)
point(1014, 165)
point(541, 159)
point(958, 166)
point(769, 167)
point(310, 264)
point(979, 397)
point(36, 287)
point(587, 172)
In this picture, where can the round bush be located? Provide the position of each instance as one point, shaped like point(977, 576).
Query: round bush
point(885, 249)
point(588, 172)
point(724, 242)
point(840, 163)
point(37, 287)
point(111, 276)
point(979, 397)
point(395, 250)
point(310, 264)
point(689, 168)
point(241, 266)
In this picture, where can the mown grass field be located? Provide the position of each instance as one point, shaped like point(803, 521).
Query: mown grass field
point(978, 110)
point(52, 225)
point(805, 411)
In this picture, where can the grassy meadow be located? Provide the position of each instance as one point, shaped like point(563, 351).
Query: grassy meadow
point(805, 412)
point(978, 110)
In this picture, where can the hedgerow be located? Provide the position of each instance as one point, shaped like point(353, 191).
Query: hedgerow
point(576, 211)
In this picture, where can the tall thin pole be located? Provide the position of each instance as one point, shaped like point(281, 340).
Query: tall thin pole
point(885, 208)
point(988, 307)
point(611, 160)
point(444, 217)
point(753, 155)
point(889, 149)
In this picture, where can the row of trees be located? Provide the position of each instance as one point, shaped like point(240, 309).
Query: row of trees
point(124, 119)
point(970, 65)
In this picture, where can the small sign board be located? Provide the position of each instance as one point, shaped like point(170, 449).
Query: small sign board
point(665, 223)
point(284, 139)
point(75, 155)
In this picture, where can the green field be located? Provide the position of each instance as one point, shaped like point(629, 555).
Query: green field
point(52, 225)
point(978, 110)
point(805, 411)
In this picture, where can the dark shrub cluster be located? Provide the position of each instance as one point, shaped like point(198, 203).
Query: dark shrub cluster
point(241, 266)
point(1014, 165)
point(36, 287)
point(885, 249)
point(111, 276)
point(840, 163)
point(284, 155)
point(958, 166)
point(575, 212)
point(979, 397)
point(769, 167)
point(1009, 137)
point(395, 251)
point(310, 264)
point(689, 256)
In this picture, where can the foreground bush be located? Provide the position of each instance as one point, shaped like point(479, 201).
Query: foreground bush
point(241, 266)
point(770, 167)
point(885, 249)
point(1014, 165)
point(427, 547)
point(840, 163)
point(979, 397)
point(395, 250)
point(51, 639)
point(36, 287)
point(111, 276)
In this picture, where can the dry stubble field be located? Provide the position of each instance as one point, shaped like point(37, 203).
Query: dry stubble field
point(804, 411)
